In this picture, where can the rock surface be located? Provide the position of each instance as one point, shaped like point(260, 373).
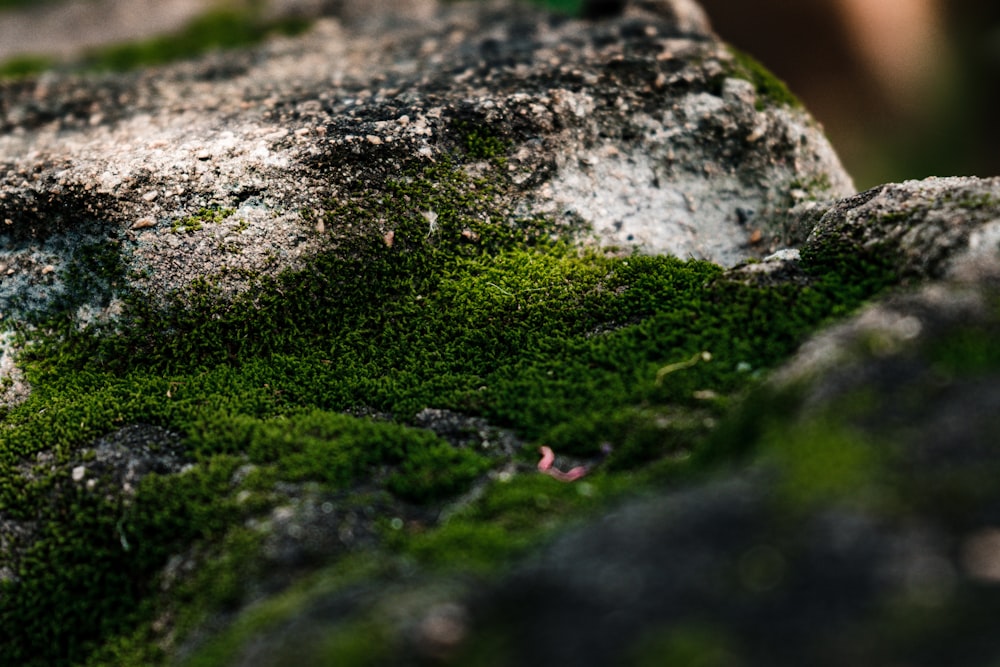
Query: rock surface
point(644, 127)
point(926, 229)
point(289, 328)
point(869, 501)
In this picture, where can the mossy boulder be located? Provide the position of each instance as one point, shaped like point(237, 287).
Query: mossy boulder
point(845, 512)
point(926, 229)
point(642, 128)
point(288, 329)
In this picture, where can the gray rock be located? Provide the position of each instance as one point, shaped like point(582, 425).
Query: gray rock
point(641, 125)
point(710, 569)
point(922, 229)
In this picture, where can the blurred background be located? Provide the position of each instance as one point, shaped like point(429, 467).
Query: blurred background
point(904, 88)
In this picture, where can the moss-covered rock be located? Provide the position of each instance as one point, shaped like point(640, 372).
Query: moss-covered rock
point(642, 126)
point(927, 229)
point(845, 512)
point(287, 331)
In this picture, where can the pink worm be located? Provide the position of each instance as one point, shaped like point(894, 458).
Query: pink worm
point(547, 458)
point(545, 466)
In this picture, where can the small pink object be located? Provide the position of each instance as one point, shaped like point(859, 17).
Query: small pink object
point(568, 476)
point(548, 457)
point(545, 466)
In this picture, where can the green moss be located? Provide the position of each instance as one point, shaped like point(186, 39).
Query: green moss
point(195, 222)
point(94, 571)
point(339, 450)
point(573, 7)
point(271, 613)
point(217, 29)
point(214, 30)
point(482, 144)
point(848, 264)
point(631, 437)
point(24, 66)
point(511, 516)
point(435, 297)
point(771, 91)
point(358, 644)
point(462, 307)
point(220, 29)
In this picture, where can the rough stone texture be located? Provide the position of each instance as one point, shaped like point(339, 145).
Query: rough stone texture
point(927, 229)
point(121, 459)
point(939, 228)
point(640, 125)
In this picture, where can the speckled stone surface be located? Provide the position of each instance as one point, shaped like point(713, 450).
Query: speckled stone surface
point(637, 124)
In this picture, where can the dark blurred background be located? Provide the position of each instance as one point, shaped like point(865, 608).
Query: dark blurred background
point(904, 88)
